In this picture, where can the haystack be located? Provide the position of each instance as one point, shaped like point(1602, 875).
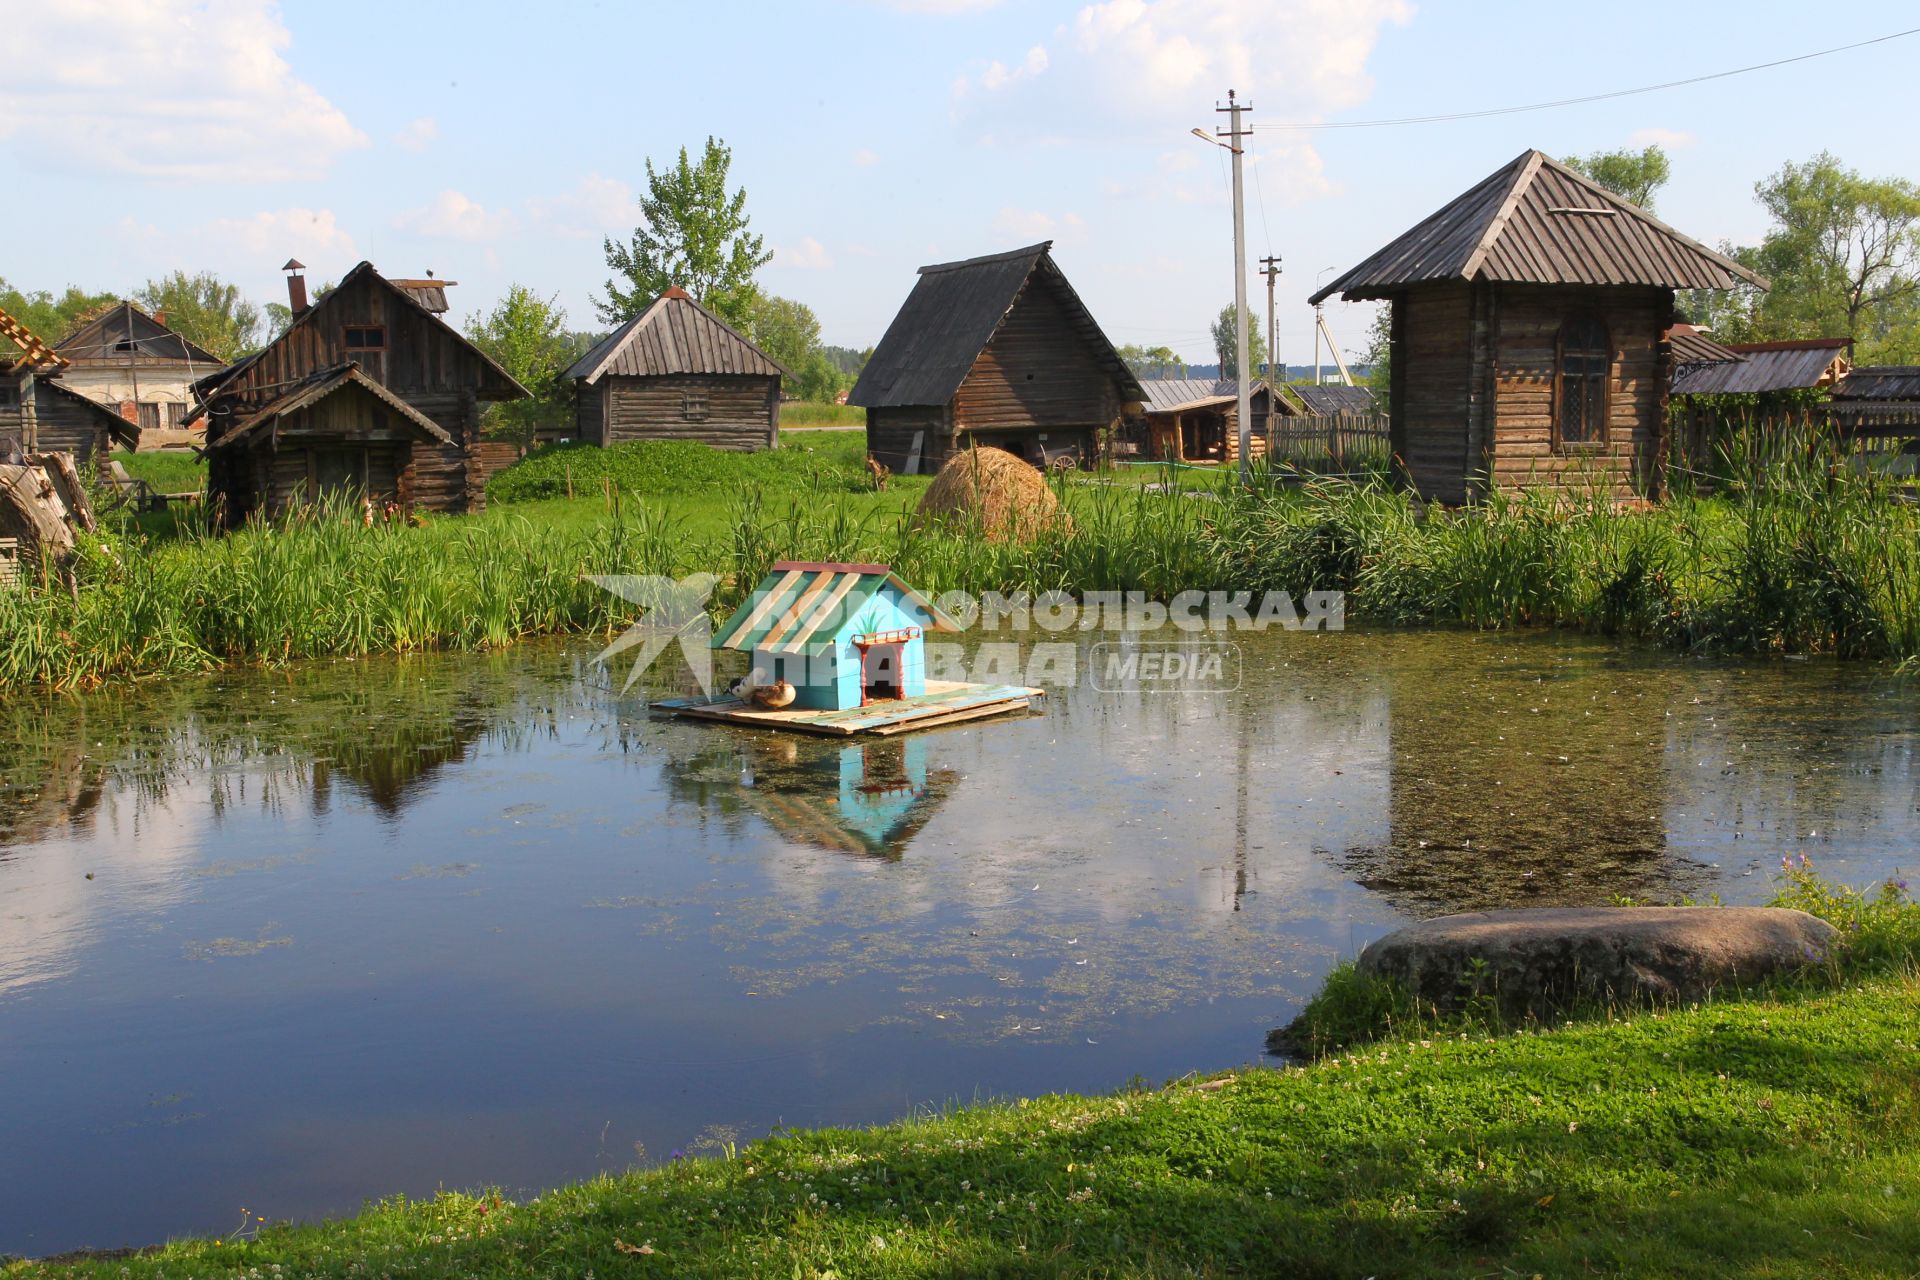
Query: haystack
point(993, 490)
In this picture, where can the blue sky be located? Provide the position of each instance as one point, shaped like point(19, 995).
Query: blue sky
point(496, 143)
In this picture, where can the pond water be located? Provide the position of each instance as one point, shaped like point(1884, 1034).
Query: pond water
point(292, 940)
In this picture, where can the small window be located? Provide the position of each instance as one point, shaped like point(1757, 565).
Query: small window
point(126, 345)
point(1586, 361)
point(693, 404)
point(149, 415)
point(8, 396)
point(176, 414)
point(365, 338)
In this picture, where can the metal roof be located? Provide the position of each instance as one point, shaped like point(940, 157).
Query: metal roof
point(802, 606)
point(674, 335)
point(1880, 382)
point(1535, 221)
point(953, 312)
point(1690, 346)
point(1330, 398)
point(314, 389)
point(100, 340)
point(1766, 366)
point(1168, 395)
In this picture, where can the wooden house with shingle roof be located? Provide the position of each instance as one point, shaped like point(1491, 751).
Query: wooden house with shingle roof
point(368, 394)
point(997, 351)
point(677, 371)
point(1529, 333)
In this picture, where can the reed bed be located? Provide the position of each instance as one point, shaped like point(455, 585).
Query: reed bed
point(1799, 553)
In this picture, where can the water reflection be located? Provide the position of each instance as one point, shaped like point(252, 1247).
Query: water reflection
point(386, 926)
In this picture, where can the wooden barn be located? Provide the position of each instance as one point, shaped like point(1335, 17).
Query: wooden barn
point(133, 364)
point(677, 371)
point(1529, 329)
point(1198, 419)
point(39, 412)
point(995, 351)
point(369, 393)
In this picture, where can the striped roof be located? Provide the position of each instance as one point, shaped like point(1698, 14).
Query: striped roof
point(802, 607)
point(675, 335)
point(1535, 221)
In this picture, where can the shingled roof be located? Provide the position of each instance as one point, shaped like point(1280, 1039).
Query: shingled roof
point(953, 312)
point(674, 335)
point(1535, 221)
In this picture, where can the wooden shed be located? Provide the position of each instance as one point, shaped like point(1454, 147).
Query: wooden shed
point(996, 351)
point(677, 371)
point(368, 393)
point(39, 412)
point(1198, 419)
point(1529, 334)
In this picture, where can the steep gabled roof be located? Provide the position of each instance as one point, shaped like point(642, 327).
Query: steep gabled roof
point(674, 335)
point(953, 312)
point(208, 388)
point(1535, 221)
point(101, 338)
point(317, 387)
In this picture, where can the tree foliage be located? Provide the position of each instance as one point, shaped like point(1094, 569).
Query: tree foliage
point(279, 316)
point(527, 336)
point(693, 233)
point(789, 332)
point(1380, 355)
point(52, 317)
point(1225, 344)
point(1635, 176)
point(1153, 362)
point(205, 310)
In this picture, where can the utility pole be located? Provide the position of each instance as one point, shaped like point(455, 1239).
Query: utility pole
point(1276, 374)
point(1319, 325)
point(1233, 133)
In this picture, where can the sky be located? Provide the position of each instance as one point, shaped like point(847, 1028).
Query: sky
point(499, 143)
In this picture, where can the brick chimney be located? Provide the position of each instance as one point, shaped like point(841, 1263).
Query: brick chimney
point(296, 287)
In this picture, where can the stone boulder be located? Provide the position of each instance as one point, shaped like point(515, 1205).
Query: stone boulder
point(1543, 961)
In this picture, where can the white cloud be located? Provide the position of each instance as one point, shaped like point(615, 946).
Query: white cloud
point(455, 216)
point(312, 235)
point(998, 75)
point(417, 135)
point(165, 89)
point(1660, 138)
point(866, 159)
point(596, 205)
point(806, 255)
point(1032, 225)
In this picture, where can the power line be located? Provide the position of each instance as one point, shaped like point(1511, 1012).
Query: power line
point(1592, 97)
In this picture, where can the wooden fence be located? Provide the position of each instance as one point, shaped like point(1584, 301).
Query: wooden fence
point(1878, 435)
point(1330, 444)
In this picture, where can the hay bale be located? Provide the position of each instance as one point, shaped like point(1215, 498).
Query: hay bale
point(987, 488)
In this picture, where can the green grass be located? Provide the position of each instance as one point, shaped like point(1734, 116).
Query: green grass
point(1767, 1136)
point(169, 471)
point(812, 413)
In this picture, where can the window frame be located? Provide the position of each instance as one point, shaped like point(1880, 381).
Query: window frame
point(1598, 437)
point(695, 404)
point(348, 330)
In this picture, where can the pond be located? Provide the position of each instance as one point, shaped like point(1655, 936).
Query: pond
point(291, 940)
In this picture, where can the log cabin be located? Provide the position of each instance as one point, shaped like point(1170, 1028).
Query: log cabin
point(1529, 335)
point(996, 351)
point(39, 413)
point(1198, 419)
point(368, 394)
point(677, 371)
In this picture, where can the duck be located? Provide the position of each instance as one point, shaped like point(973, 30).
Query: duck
point(767, 695)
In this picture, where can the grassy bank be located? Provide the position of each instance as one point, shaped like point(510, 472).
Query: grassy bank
point(1798, 555)
point(1772, 1135)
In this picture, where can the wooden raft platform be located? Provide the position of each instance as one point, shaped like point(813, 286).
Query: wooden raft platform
point(944, 702)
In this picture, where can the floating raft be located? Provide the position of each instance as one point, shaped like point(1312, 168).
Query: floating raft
point(943, 703)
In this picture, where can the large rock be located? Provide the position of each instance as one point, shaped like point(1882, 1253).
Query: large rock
point(1542, 961)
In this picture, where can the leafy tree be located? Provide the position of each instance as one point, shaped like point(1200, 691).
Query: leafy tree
point(52, 317)
point(527, 336)
point(1380, 355)
point(789, 332)
point(1632, 175)
point(205, 310)
point(1154, 362)
point(1225, 343)
point(847, 360)
point(1843, 255)
point(693, 234)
